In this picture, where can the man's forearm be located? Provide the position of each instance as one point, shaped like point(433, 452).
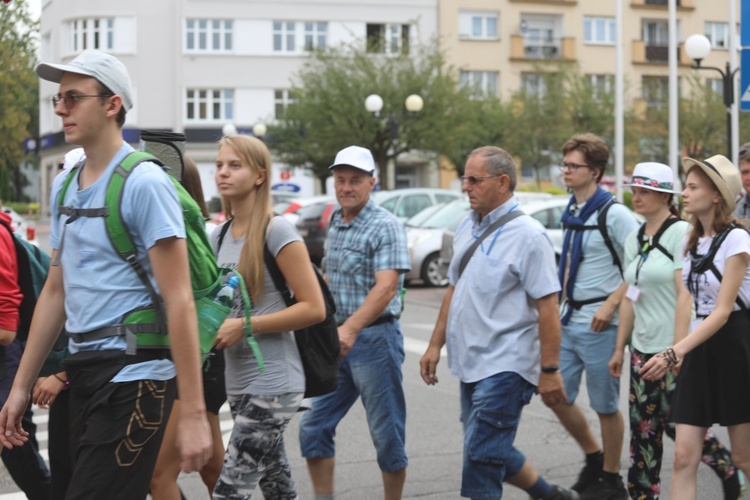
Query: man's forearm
point(375, 303)
point(549, 330)
point(183, 339)
point(438, 333)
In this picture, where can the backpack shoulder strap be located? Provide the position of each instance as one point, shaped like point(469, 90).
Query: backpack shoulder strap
point(602, 225)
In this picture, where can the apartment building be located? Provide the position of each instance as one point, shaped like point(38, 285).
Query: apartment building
point(200, 65)
point(498, 45)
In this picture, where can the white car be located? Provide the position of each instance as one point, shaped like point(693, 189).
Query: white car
point(20, 226)
point(424, 235)
point(408, 202)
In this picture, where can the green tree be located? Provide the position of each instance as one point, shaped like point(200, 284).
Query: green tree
point(19, 97)
point(328, 113)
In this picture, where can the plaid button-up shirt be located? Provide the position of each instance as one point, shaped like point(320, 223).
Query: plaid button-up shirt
point(374, 241)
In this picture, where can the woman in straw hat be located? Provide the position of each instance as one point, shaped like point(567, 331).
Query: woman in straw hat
point(714, 381)
point(653, 270)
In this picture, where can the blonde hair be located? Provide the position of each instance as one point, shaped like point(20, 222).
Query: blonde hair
point(723, 216)
point(255, 156)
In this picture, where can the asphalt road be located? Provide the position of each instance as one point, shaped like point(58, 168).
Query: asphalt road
point(434, 434)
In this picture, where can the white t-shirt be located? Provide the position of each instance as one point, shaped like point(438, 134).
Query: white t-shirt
point(705, 287)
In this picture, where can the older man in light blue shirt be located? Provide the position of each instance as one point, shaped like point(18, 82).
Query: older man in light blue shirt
point(501, 324)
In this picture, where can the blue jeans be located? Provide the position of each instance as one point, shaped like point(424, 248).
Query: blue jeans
point(491, 411)
point(372, 369)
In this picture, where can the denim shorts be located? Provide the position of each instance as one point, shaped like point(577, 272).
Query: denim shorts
point(491, 411)
point(584, 349)
point(372, 370)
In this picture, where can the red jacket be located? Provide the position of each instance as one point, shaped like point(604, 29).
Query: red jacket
point(10, 293)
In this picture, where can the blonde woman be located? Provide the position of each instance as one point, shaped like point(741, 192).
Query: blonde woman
point(714, 380)
point(262, 403)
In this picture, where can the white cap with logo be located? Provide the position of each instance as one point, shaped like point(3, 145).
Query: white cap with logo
point(106, 68)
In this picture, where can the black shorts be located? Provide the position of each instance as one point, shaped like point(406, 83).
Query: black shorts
point(116, 428)
point(214, 389)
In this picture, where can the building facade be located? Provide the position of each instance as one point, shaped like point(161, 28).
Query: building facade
point(198, 65)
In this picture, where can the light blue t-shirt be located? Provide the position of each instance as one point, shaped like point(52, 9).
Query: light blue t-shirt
point(597, 275)
point(493, 322)
point(100, 287)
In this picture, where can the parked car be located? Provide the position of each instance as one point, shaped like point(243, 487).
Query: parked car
point(408, 202)
point(291, 213)
point(20, 226)
point(312, 225)
point(424, 235)
point(547, 211)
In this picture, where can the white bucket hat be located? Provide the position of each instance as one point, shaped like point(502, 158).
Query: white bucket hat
point(654, 176)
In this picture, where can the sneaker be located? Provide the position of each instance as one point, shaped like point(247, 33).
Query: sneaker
point(734, 486)
point(563, 494)
point(589, 475)
point(606, 490)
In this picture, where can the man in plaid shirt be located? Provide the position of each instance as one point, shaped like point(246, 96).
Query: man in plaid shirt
point(366, 257)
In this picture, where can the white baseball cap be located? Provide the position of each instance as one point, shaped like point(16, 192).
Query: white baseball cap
point(654, 176)
point(357, 157)
point(107, 69)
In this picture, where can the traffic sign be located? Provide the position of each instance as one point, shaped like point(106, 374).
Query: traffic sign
point(745, 79)
point(745, 23)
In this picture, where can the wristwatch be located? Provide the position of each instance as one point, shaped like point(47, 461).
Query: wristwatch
point(550, 369)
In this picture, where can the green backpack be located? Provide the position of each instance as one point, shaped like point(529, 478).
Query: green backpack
point(146, 328)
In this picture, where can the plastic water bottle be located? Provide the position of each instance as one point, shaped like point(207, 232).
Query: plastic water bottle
point(225, 296)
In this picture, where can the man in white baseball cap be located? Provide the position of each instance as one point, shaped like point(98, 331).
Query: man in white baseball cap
point(366, 258)
point(121, 400)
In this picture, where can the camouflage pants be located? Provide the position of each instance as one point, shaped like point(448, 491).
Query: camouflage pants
point(256, 454)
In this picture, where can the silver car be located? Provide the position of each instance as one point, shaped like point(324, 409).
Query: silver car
point(408, 202)
point(547, 211)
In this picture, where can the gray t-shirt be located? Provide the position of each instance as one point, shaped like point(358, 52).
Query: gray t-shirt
point(283, 367)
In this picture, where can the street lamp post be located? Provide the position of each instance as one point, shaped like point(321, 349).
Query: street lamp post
point(698, 47)
point(413, 105)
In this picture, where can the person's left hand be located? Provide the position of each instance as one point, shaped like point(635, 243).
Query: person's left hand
point(655, 368)
point(229, 333)
point(552, 389)
point(602, 316)
point(46, 390)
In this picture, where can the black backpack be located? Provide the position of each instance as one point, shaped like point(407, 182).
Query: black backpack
point(318, 344)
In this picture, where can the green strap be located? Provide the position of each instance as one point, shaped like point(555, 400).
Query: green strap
point(247, 303)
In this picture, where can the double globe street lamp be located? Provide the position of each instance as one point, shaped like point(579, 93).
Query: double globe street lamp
point(413, 105)
point(697, 48)
point(259, 130)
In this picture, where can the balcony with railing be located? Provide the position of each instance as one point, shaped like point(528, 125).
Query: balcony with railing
point(643, 53)
point(542, 49)
point(662, 4)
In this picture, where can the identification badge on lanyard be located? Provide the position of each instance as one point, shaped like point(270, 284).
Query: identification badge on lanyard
point(633, 293)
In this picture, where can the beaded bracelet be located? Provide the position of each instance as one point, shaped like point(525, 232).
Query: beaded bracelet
point(670, 357)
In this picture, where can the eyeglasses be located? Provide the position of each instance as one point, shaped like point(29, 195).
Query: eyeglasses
point(473, 181)
point(566, 165)
point(70, 99)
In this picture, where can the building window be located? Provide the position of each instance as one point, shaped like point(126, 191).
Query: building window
point(718, 34)
point(315, 35)
point(655, 91)
point(92, 34)
point(602, 84)
point(599, 30)
point(477, 25)
point(283, 36)
point(208, 35)
point(209, 105)
point(533, 84)
point(281, 99)
point(716, 85)
point(481, 83)
point(388, 38)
